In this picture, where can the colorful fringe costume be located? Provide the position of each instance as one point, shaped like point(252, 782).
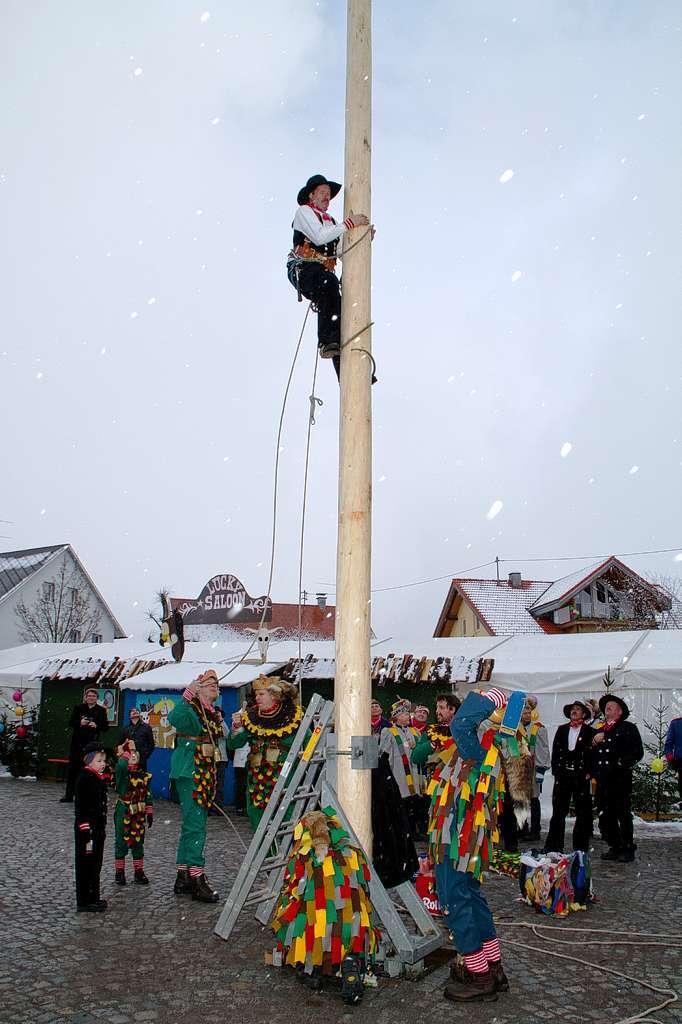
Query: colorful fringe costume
point(269, 735)
point(133, 809)
point(466, 797)
point(324, 910)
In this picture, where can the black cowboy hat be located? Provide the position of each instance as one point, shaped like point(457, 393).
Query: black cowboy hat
point(603, 701)
point(581, 704)
point(312, 183)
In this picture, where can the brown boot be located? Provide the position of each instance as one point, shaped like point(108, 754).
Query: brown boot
point(501, 980)
point(203, 891)
point(476, 988)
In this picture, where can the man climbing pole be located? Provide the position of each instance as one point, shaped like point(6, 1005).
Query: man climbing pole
point(311, 263)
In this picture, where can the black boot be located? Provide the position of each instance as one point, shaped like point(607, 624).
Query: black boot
point(183, 884)
point(202, 891)
point(140, 877)
point(352, 973)
point(120, 876)
point(611, 854)
point(627, 855)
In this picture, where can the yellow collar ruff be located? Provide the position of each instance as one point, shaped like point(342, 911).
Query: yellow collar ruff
point(261, 730)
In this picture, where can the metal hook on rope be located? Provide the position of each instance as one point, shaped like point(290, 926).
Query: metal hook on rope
point(370, 356)
point(314, 400)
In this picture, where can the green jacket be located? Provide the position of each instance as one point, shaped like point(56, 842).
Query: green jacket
point(422, 750)
point(184, 719)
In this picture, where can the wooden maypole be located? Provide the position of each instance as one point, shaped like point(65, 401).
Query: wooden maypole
point(353, 569)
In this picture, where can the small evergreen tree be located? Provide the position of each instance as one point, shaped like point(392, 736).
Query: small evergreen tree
point(654, 791)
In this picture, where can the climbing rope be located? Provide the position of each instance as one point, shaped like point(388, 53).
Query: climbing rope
point(314, 402)
point(642, 1017)
point(274, 499)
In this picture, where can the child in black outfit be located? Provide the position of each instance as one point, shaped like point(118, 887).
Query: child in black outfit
point(90, 829)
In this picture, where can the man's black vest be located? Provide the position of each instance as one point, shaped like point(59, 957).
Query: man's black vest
point(328, 250)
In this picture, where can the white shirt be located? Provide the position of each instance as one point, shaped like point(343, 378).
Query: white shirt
point(573, 733)
point(307, 222)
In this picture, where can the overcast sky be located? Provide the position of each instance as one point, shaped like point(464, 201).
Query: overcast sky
point(151, 155)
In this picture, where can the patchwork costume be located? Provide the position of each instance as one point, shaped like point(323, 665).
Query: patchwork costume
point(132, 814)
point(270, 735)
point(398, 742)
point(324, 914)
point(466, 798)
point(193, 771)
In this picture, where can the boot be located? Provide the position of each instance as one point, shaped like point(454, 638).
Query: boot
point(352, 987)
point(611, 854)
point(477, 988)
point(140, 877)
point(120, 876)
point(183, 884)
point(202, 891)
point(501, 980)
point(627, 855)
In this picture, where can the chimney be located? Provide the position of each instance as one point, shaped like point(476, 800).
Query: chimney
point(321, 601)
point(515, 580)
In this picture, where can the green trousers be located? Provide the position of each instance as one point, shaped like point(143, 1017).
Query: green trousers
point(121, 848)
point(193, 831)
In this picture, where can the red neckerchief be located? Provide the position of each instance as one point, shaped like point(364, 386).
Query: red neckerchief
point(609, 725)
point(576, 725)
point(89, 768)
point(419, 726)
point(319, 212)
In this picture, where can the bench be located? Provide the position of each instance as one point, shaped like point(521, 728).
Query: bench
point(62, 764)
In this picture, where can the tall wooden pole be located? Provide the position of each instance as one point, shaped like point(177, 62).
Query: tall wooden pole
point(353, 568)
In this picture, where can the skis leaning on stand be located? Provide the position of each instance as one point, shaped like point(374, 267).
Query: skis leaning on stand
point(304, 785)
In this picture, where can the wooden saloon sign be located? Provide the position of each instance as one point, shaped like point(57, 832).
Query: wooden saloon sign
point(224, 600)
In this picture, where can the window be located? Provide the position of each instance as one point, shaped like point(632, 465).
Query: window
point(464, 627)
point(95, 638)
point(75, 636)
point(73, 594)
point(478, 623)
point(601, 593)
point(48, 591)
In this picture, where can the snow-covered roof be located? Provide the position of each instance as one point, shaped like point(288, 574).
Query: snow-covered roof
point(18, 566)
point(567, 586)
point(501, 607)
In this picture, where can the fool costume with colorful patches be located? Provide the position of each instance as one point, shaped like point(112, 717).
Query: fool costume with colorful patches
point(466, 799)
point(133, 813)
point(269, 726)
point(198, 726)
point(324, 912)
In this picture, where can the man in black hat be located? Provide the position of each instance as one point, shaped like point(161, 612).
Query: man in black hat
point(571, 751)
point(88, 720)
point(311, 263)
point(616, 749)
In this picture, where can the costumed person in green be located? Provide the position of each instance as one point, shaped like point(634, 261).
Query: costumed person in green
point(198, 726)
point(269, 726)
point(133, 813)
point(435, 738)
point(466, 798)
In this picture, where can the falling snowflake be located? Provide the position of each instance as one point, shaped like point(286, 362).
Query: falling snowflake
point(43, 511)
point(137, 72)
point(566, 449)
point(151, 301)
point(206, 16)
point(633, 470)
point(516, 276)
point(216, 120)
point(103, 350)
point(495, 509)
point(39, 375)
point(641, 117)
point(678, 556)
point(134, 315)
point(506, 176)
point(381, 479)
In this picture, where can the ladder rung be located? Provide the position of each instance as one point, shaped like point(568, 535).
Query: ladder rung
point(302, 794)
point(261, 897)
point(272, 862)
point(286, 830)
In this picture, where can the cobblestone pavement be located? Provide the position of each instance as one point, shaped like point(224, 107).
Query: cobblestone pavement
point(152, 957)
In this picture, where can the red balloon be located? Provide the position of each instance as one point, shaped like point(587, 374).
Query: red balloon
point(16, 696)
point(21, 732)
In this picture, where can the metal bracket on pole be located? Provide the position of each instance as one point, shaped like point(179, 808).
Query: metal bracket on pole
point(363, 753)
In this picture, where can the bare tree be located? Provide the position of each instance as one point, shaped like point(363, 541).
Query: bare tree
point(672, 588)
point(61, 612)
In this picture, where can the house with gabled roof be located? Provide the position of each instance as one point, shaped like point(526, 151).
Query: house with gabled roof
point(607, 595)
point(54, 578)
